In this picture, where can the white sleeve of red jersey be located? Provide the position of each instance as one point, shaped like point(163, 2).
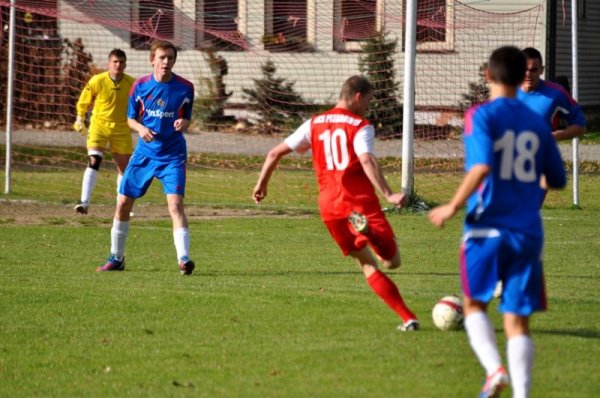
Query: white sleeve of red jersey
point(364, 140)
point(299, 140)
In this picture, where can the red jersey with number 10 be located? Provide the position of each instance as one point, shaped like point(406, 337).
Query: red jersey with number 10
point(343, 185)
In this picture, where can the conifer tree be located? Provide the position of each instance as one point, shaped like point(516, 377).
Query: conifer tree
point(210, 106)
point(377, 64)
point(479, 91)
point(275, 99)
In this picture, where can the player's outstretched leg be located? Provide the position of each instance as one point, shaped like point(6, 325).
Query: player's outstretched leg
point(389, 293)
point(385, 289)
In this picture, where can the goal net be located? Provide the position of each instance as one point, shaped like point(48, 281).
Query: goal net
point(259, 68)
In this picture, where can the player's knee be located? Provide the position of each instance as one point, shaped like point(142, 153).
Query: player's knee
point(175, 208)
point(390, 264)
point(471, 306)
point(124, 206)
point(94, 162)
point(394, 263)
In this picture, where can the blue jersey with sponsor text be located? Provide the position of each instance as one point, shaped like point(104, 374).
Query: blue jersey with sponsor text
point(157, 105)
point(517, 145)
point(553, 102)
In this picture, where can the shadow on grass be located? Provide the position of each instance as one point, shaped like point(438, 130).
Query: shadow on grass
point(218, 274)
point(584, 333)
point(280, 273)
point(453, 274)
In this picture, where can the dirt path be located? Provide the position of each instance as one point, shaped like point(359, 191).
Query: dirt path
point(24, 212)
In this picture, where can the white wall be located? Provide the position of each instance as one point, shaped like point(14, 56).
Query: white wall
point(442, 77)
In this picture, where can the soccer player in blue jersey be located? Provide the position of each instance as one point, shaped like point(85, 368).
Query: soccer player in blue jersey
point(551, 100)
point(507, 149)
point(160, 110)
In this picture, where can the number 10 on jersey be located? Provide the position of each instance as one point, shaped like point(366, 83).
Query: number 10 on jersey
point(335, 147)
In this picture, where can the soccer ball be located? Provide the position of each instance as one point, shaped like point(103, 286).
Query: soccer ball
point(447, 313)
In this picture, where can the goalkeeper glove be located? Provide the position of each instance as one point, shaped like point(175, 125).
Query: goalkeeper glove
point(79, 126)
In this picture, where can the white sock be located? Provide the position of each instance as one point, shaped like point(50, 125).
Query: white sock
point(520, 351)
point(483, 341)
point(88, 184)
point(118, 236)
point(181, 237)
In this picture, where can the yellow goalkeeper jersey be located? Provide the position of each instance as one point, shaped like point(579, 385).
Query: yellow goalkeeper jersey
point(110, 99)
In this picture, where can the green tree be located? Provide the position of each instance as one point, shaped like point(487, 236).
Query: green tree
point(210, 107)
point(377, 64)
point(478, 93)
point(274, 99)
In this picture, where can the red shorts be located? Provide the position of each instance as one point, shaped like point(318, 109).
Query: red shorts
point(380, 236)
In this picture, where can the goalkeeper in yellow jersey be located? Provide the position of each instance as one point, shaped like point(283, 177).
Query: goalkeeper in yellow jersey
point(108, 93)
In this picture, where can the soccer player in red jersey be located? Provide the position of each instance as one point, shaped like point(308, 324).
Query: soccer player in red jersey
point(342, 143)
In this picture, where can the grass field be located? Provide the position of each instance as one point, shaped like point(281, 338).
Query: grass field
point(273, 310)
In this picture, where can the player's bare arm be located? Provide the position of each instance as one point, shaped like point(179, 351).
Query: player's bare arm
point(181, 124)
point(144, 132)
point(375, 175)
point(572, 131)
point(439, 215)
point(271, 162)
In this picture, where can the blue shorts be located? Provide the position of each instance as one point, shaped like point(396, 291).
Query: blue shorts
point(490, 254)
point(141, 170)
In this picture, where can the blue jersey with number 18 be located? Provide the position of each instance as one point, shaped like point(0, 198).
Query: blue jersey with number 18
point(518, 146)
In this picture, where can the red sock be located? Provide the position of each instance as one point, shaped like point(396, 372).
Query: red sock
point(387, 290)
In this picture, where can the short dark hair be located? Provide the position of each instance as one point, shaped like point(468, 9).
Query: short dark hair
point(117, 52)
point(163, 45)
point(532, 53)
point(355, 84)
point(507, 66)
